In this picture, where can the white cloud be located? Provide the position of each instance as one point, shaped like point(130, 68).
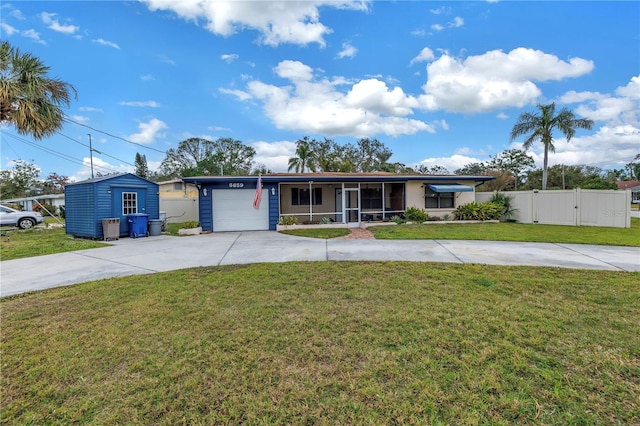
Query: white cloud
point(90, 109)
point(147, 104)
point(494, 79)
point(348, 51)
point(55, 25)
point(33, 35)
point(106, 43)
point(274, 155)
point(147, 77)
point(8, 29)
point(425, 55)
point(277, 21)
point(323, 106)
point(456, 23)
point(167, 60)
point(218, 129)
point(437, 27)
point(148, 131)
point(451, 163)
point(502, 116)
point(80, 118)
point(228, 58)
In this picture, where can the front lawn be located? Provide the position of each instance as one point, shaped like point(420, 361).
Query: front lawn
point(514, 232)
point(327, 343)
point(322, 233)
point(16, 243)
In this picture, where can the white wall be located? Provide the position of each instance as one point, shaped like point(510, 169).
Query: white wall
point(180, 209)
point(579, 207)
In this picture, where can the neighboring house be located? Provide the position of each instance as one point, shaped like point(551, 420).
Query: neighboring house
point(178, 201)
point(28, 203)
point(633, 186)
point(108, 197)
point(226, 202)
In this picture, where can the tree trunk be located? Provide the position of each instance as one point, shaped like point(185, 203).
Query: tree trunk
point(544, 166)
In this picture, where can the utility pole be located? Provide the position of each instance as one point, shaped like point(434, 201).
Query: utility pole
point(91, 154)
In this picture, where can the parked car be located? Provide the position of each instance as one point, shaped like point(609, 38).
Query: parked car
point(22, 220)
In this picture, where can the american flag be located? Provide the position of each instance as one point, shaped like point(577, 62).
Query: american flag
point(258, 197)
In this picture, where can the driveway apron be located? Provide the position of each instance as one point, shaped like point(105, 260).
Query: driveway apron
point(165, 253)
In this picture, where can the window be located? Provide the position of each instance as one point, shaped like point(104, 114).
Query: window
point(177, 186)
point(438, 200)
point(371, 198)
point(129, 203)
point(300, 196)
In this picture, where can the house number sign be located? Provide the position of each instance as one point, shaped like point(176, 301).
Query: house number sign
point(236, 185)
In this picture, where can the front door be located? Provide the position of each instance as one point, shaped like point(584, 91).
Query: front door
point(351, 210)
point(127, 201)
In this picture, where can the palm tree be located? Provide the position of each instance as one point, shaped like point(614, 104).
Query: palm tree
point(540, 127)
point(29, 100)
point(305, 157)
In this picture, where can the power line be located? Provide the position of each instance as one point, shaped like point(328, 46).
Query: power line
point(95, 150)
point(55, 153)
point(114, 136)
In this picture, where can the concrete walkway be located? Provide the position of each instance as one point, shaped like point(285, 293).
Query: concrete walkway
point(165, 253)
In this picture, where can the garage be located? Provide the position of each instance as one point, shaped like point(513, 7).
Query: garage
point(233, 210)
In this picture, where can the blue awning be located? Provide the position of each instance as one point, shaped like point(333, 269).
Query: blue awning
point(453, 187)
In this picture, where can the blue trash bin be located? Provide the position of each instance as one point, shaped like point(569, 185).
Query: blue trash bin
point(138, 225)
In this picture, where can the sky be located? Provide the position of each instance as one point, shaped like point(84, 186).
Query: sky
point(439, 83)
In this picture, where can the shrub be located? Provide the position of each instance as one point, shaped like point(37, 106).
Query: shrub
point(62, 211)
point(478, 211)
point(504, 200)
point(446, 217)
point(44, 208)
point(414, 214)
point(397, 219)
point(326, 220)
point(434, 219)
point(190, 224)
point(288, 220)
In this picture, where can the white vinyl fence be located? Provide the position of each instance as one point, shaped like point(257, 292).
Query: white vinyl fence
point(576, 207)
point(180, 209)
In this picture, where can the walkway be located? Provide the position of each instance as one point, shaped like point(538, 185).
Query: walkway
point(165, 253)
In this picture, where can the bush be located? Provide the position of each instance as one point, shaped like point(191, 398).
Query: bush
point(62, 211)
point(397, 219)
point(414, 214)
point(288, 220)
point(326, 220)
point(190, 224)
point(44, 209)
point(505, 201)
point(478, 211)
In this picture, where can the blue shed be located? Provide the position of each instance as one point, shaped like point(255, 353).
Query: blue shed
point(90, 201)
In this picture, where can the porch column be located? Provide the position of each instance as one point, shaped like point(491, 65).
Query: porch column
point(383, 205)
point(310, 201)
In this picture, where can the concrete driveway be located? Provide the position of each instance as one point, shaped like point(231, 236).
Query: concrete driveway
point(165, 253)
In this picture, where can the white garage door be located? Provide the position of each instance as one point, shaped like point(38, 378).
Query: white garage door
point(233, 210)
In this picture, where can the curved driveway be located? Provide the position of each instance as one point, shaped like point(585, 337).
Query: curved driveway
point(165, 253)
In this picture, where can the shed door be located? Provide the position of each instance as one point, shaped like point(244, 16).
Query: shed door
point(127, 201)
point(233, 210)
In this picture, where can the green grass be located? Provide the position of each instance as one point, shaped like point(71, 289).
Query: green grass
point(325, 233)
point(327, 343)
point(514, 232)
point(15, 244)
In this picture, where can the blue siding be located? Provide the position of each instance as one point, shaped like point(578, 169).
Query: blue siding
point(88, 202)
point(206, 208)
point(274, 207)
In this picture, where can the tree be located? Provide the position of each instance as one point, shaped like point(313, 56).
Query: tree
point(305, 157)
point(183, 161)
point(633, 168)
point(29, 100)
point(372, 155)
point(142, 169)
point(540, 127)
point(515, 161)
point(55, 183)
point(471, 169)
point(433, 170)
point(19, 181)
point(228, 157)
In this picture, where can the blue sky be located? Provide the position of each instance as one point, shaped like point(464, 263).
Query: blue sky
point(440, 83)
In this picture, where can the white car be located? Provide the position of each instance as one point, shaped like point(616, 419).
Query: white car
point(22, 220)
